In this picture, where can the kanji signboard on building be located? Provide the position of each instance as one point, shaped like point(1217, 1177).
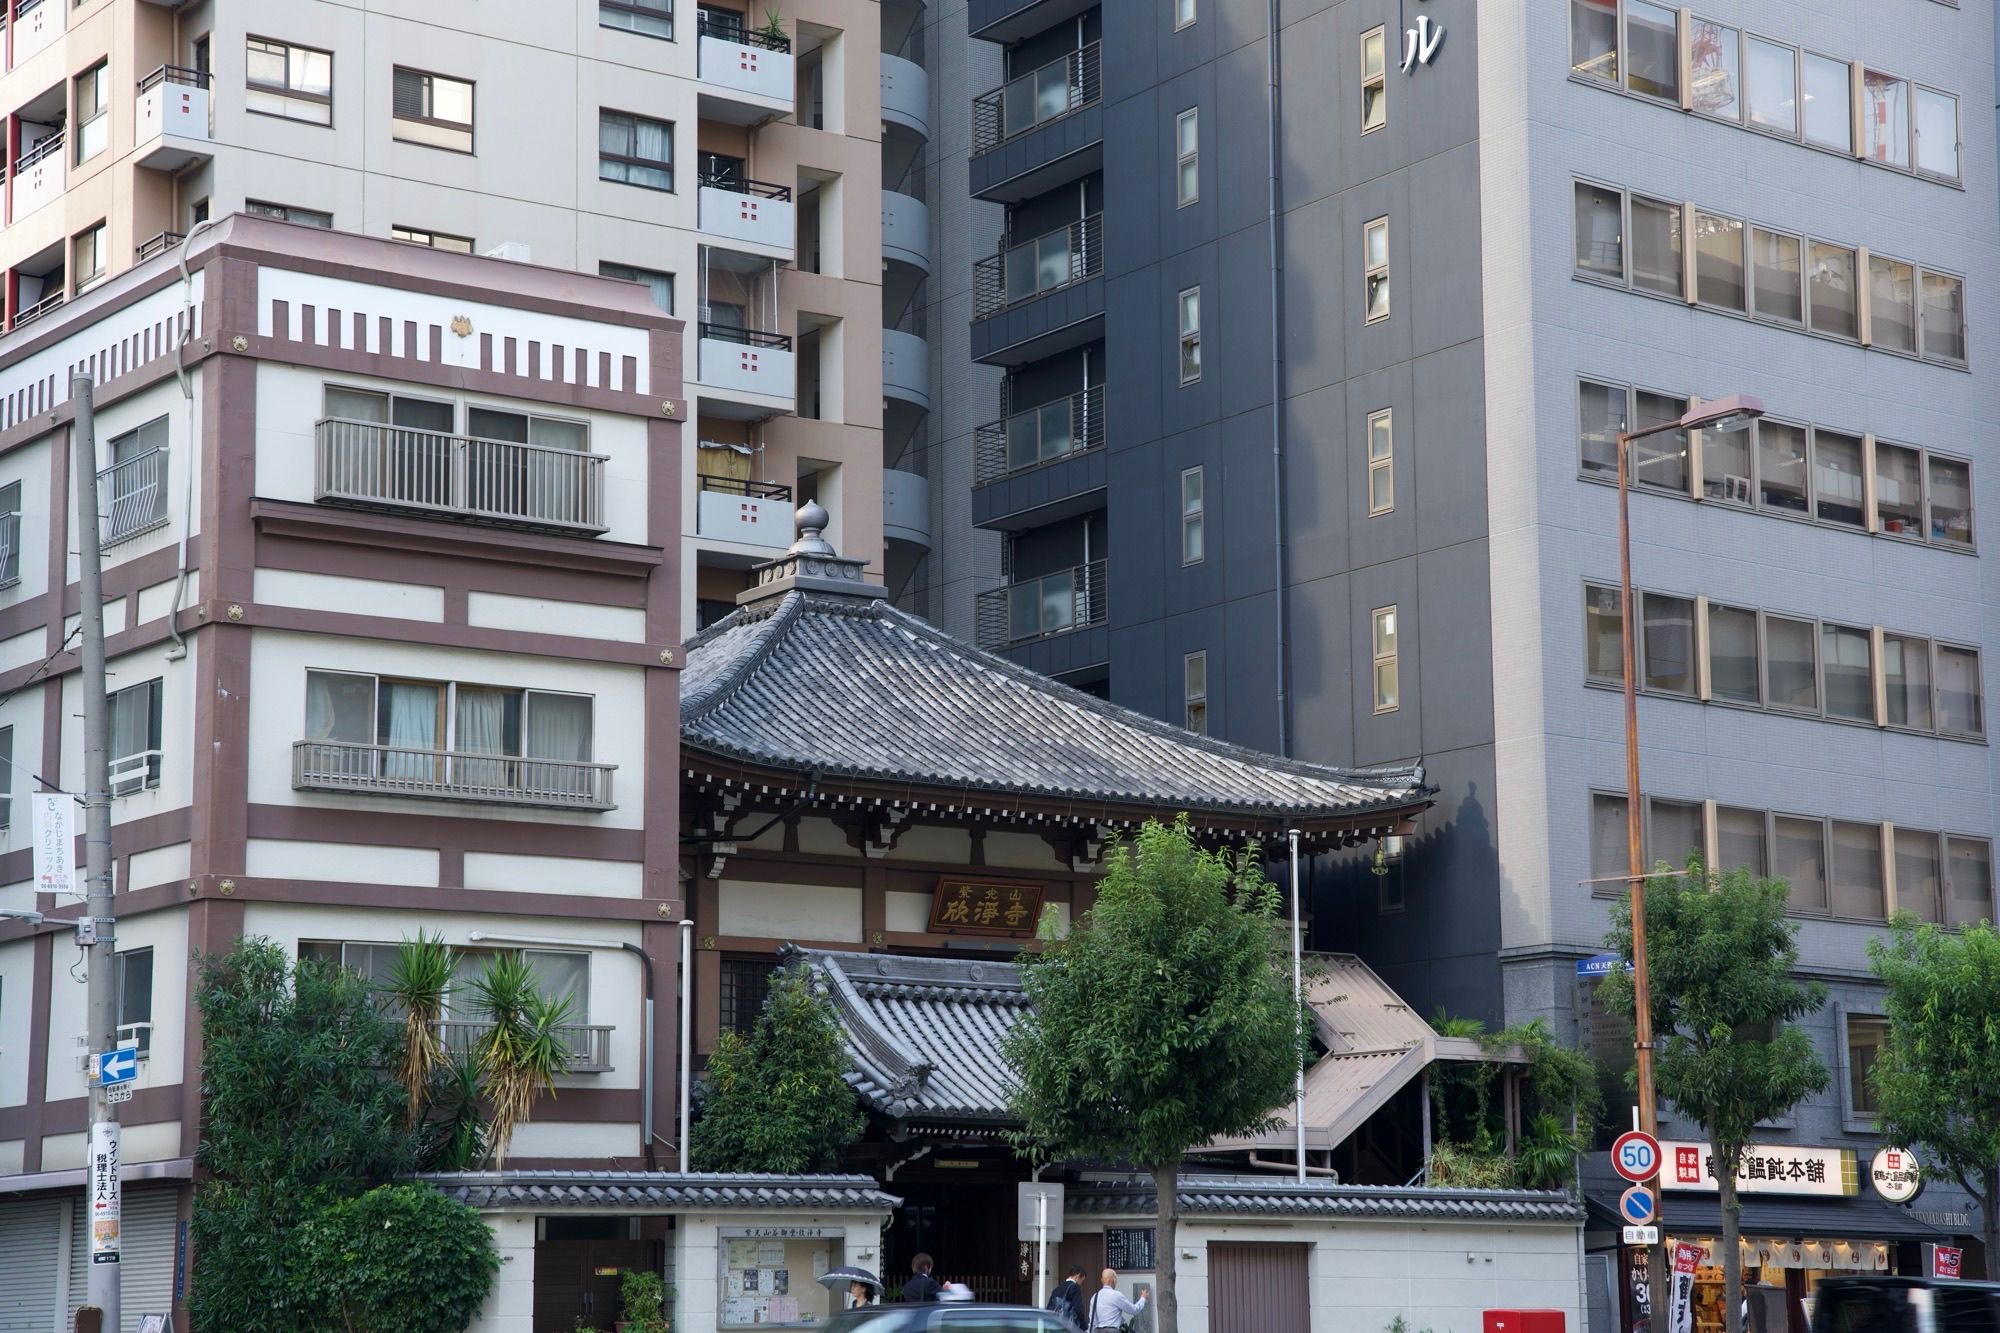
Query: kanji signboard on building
point(1766, 1168)
point(985, 907)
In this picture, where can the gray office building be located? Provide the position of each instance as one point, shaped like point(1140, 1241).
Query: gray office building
point(1506, 231)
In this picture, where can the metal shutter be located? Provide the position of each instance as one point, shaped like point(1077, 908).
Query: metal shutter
point(148, 1233)
point(30, 1246)
point(1258, 1288)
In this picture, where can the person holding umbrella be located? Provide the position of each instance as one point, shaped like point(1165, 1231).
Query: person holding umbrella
point(862, 1285)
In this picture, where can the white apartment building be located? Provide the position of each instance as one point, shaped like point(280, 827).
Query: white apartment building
point(730, 157)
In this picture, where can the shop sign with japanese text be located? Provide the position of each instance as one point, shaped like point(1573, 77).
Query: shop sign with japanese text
point(985, 907)
point(1766, 1168)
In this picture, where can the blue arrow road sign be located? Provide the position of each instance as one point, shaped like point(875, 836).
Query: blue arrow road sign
point(119, 1066)
point(1636, 1206)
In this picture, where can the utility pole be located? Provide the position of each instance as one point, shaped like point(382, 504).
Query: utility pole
point(97, 933)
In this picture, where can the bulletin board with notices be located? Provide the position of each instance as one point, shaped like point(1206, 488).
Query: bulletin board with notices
point(770, 1276)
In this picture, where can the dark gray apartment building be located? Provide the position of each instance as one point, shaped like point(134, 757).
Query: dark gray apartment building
point(1351, 500)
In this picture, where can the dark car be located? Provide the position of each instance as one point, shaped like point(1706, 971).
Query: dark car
point(955, 1318)
point(1905, 1305)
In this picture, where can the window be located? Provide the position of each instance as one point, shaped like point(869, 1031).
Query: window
point(1944, 317)
point(86, 257)
point(1652, 50)
point(1732, 655)
point(746, 984)
point(660, 285)
point(1603, 636)
point(1773, 87)
point(1381, 464)
point(1713, 53)
point(1968, 868)
point(1892, 304)
point(1906, 679)
point(10, 534)
point(1187, 157)
point(1961, 699)
point(93, 101)
point(1388, 682)
point(1375, 270)
point(1190, 312)
point(1039, 434)
point(436, 240)
point(1194, 691)
point(365, 727)
point(1659, 460)
point(1866, 1036)
point(1778, 290)
point(1718, 261)
point(1781, 466)
point(1673, 831)
point(1839, 493)
point(1183, 14)
point(366, 405)
point(135, 998)
point(1800, 847)
point(1739, 840)
point(1193, 518)
point(1847, 670)
point(634, 150)
point(1857, 870)
point(1610, 858)
point(1601, 412)
point(1917, 880)
point(1593, 39)
point(1791, 664)
point(1950, 494)
point(1374, 79)
point(1656, 246)
point(135, 738)
point(1666, 654)
point(433, 110)
point(308, 217)
point(291, 82)
point(490, 423)
point(1830, 287)
point(134, 490)
point(1899, 490)
point(1600, 231)
point(649, 18)
point(1727, 465)
point(1937, 133)
point(1829, 119)
point(1885, 118)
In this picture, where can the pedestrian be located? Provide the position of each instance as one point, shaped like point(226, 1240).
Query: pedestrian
point(862, 1294)
point(921, 1286)
point(1067, 1299)
point(1109, 1307)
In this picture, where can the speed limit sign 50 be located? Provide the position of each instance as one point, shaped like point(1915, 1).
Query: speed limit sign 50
point(1636, 1156)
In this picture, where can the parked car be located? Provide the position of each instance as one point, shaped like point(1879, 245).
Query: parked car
point(1905, 1305)
point(965, 1318)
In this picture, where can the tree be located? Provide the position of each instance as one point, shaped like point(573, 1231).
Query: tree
point(1162, 1021)
point(521, 1049)
point(1937, 1080)
point(778, 1100)
point(398, 1259)
point(417, 985)
point(1560, 1105)
point(1720, 954)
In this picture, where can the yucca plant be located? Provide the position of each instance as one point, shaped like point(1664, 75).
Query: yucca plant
point(417, 985)
point(456, 1131)
point(522, 1049)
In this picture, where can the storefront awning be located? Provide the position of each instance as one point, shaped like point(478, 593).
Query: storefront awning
point(1831, 1219)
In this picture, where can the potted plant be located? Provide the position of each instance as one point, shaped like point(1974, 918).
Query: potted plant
point(774, 29)
point(643, 1297)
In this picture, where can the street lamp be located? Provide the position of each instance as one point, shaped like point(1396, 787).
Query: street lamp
point(1724, 415)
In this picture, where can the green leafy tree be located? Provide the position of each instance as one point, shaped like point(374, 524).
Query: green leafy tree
point(1721, 954)
point(778, 1100)
point(298, 1109)
point(1163, 1020)
point(1937, 1081)
point(398, 1259)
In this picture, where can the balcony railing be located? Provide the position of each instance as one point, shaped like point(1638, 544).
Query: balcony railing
point(742, 36)
point(752, 490)
point(452, 775)
point(27, 314)
point(10, 547)
point(1050, 262)
point(1043, 434)
point(1029, 101)
point(740, 185)
point(134, 495)
point(1068, 599)
point(175, 74)
point(158, 245)
point(48, 147)
point(486, 481)
point(589, 1045)
point(730, 333)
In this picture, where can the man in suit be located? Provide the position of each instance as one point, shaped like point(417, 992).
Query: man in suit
point(1067, 1299)
point(922, 1286)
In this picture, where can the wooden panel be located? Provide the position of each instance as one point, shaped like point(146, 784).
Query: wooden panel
point(1258, 1288)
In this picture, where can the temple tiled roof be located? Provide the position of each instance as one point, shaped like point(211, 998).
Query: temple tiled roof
point(816, 677)
point(556, 1190)
point(1262, 1196)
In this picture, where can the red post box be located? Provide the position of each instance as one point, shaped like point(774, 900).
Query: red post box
point(1523, 1321)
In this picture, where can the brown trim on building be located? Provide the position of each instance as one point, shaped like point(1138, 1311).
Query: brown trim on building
point(422, 537)
point(221, 731)
point(420, 898)
point(426, 825)
point(38, 1052)
point(464, 379)
point(432, 634)
point(71, 1115)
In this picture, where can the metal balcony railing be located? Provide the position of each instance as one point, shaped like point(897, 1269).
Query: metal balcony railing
point(452, 775)
point(754, 490)
point(743, 185)
point(46, 148)
point(1039, 435)
point(588, 1044)
point(10, 547)
point(158, 245)
point(134, 495)
point(1048, 263)
point(1068, 599)
point(180, 74)
point(1063, 87)
point(726, 31)
point(135, 772)
point(730, 333)
point(27, 314)
point(486, 481)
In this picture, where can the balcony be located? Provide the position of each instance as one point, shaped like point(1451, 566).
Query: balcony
point(906, 507)
point(133, 494)
point(450, 775)
point(906, 97)
point(1040, 296)
point(745, 374)
point(40, 172)
point(1009, 21)
point(748, 215)
point(1040, 465)
point(588, 1045)
point(906, 361)
point(34, 310)
point(1039, 130)
point(170, 124)
point(157, 245)
point(1040, 608)
point(750, 513)
point(745, 76)
point(10, 548)
point(369, 465)
point(906, 230)
point(37, 24)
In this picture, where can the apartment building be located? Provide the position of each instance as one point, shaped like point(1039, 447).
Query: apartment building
point(1505, 232)
point(728, 158)
point(339, 714)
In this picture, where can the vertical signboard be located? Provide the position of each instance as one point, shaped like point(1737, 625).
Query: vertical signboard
point(104, 1193)
point(1680, 1293)
point(53, 828)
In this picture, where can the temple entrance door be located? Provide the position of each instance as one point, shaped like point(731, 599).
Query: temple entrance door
point(967, 1228)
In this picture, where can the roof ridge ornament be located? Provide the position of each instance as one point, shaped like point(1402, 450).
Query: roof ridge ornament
point(812, 565)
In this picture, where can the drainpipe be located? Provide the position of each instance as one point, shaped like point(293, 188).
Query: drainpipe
point(1277, 376)
point(646, 1061)
point(687, 1029)
point(179, 650)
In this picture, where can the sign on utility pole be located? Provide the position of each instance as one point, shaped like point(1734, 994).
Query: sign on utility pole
point(97, 933)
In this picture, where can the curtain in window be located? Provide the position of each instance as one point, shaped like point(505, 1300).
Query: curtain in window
point(558, 728)
point(409, 719)
point(409, 95)
point(482, 729)
point(131, 725)
point(563, 976)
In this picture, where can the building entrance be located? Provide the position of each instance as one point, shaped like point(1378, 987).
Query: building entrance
point(967, 1228)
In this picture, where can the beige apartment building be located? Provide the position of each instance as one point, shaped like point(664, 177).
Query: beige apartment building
point(730, 157)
